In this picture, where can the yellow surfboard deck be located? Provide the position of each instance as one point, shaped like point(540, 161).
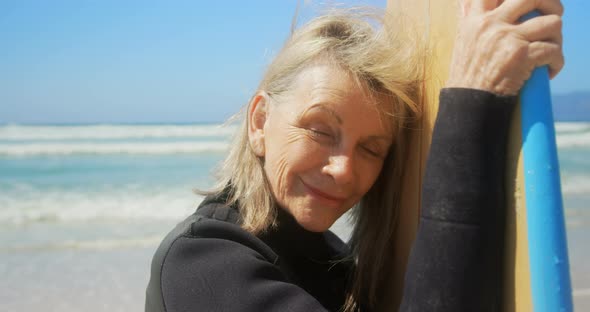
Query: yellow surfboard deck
point(436, 20)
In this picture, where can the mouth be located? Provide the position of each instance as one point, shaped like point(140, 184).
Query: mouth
point(327, 198)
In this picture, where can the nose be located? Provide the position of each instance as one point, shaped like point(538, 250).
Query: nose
point(340, 168)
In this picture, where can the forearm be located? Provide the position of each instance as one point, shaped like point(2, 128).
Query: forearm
point(462, 204)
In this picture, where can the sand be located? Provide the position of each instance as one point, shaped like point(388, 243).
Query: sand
point(113, 278)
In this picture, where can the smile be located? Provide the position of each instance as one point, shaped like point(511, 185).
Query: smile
point(324, 197)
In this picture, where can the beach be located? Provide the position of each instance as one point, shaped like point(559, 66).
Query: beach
point(83, 208)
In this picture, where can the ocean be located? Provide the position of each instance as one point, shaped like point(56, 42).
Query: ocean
point(83, 207)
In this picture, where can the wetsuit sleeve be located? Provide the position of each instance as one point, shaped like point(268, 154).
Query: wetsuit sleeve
point(455, 261)
point(219, 267)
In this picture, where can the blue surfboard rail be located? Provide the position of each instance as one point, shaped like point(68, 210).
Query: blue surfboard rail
point(549, 264)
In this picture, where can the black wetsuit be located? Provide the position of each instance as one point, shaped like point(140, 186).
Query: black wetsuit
point(208, 263)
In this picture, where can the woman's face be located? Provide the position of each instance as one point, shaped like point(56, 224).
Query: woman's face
point(323, 145)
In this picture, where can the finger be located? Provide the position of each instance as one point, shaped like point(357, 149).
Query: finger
point(547, 53)
point(512, 10)
point(542, 28)
point(479, 6)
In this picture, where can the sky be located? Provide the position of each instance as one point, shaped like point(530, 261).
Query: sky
point(148, 61)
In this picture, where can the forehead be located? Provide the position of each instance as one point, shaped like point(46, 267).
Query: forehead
point(335, 87)
point(324, 80)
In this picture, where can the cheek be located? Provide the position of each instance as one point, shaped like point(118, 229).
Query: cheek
point(288, 155)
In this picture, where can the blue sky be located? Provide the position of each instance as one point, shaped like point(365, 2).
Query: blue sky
point(84, 61)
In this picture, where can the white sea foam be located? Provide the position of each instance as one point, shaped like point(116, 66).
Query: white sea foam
point(575, 184)
point(572, 140)
point(94, 132)
point(46, 148)
point(161, 148)
point(25, 204)
point(581, 292)
point(569, 134)
point(79, 132)
point(121, 204)
point(568, 127)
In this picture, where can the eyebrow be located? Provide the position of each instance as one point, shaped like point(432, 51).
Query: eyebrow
point(325, 108)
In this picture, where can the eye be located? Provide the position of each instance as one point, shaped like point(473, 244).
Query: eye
point(321, 134)
point(372, 151)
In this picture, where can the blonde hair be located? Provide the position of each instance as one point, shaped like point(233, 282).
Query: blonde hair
point(389, 67)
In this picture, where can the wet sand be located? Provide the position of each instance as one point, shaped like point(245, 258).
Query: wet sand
point(114, 278)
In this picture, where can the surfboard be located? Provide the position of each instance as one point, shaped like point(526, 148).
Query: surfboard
point(549, 264)
point(437, 22)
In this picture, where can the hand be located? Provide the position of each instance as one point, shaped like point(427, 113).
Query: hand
point(497, 53)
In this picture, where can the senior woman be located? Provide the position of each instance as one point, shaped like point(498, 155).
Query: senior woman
point(324, 133)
